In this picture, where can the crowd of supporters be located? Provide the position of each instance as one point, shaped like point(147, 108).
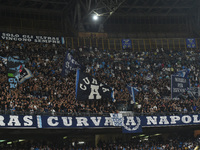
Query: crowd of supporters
point(48, 92)
point(178, 143)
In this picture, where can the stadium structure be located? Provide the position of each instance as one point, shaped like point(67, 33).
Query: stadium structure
point(99, 74)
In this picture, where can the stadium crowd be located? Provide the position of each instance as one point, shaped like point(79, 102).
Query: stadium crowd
point(48, 92)
point(178, 143)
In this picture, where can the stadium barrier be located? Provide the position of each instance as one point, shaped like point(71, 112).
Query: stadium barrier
point(137, 44)
point(129, 124)
point(10, 112)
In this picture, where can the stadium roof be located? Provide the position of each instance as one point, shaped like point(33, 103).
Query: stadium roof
point(120, 7)
point(79, 12)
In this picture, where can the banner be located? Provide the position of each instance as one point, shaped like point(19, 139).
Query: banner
point(18, 121)
point(175, 120)
point(130, 124)
point(88, 88)
point(179, 86)
point(194, 92)
point(117, 119)
point(14, 67)
point(70, 64)
point(126, 44)
point(4, 60)
point(31, 38)
point(24, 75)
point(191, 43)
point(182, 73)
point(75, 122)
point(12, 82)
point(17, 73)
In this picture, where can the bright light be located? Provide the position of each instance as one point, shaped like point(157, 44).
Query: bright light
point(95, 17)
point(81, 142)
point(21, 140)
point(157, 134)
point(8, 143)
point(142, 135)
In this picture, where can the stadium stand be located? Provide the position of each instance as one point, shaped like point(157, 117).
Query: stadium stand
point(141, 52)
point(179, 143)
point(46, 91)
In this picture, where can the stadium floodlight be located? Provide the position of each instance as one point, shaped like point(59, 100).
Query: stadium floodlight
point(95, 17)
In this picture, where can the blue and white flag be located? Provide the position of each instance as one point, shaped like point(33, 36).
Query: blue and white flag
point(12, 82)
point(191, 43)
point(117, 119)
point(179, 86)
point(14, 65)
point(132, 124)
point(182, 73)
point(4, 60)
point(14, 69)
point(88, 88)
point(126, 44)
point(70, 64)
point(24, 75)
point(14, 60)
point(132, 91)
point(194, 92)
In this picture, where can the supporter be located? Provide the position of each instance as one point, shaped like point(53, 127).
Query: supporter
point(178, 143)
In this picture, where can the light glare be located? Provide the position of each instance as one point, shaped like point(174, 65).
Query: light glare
point(95, 17)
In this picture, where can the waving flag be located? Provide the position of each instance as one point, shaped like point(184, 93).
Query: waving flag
point(179, 83)
point(88, 88)
point(14, 69)
point(15, 65)
point(179, 86)
point(4, 60)
point(70, 64)
point(182, 73)
point(132, 91)
point(117, 119)
point(24, 75)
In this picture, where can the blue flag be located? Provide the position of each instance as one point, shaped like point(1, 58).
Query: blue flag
point(24, 75)
point(14, 69)
point(191, 43)
point(132, 91)
point(117, 119)
point(182, 73)
point(4, 60)
point(135, 127)
point(70, 64)
point(88, 88)
point(126, 43)
point(179, 86)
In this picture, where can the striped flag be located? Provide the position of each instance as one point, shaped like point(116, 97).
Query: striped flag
point(132, 91)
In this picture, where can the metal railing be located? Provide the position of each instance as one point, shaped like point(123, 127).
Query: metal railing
point(137, 44)
point(11, 112)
